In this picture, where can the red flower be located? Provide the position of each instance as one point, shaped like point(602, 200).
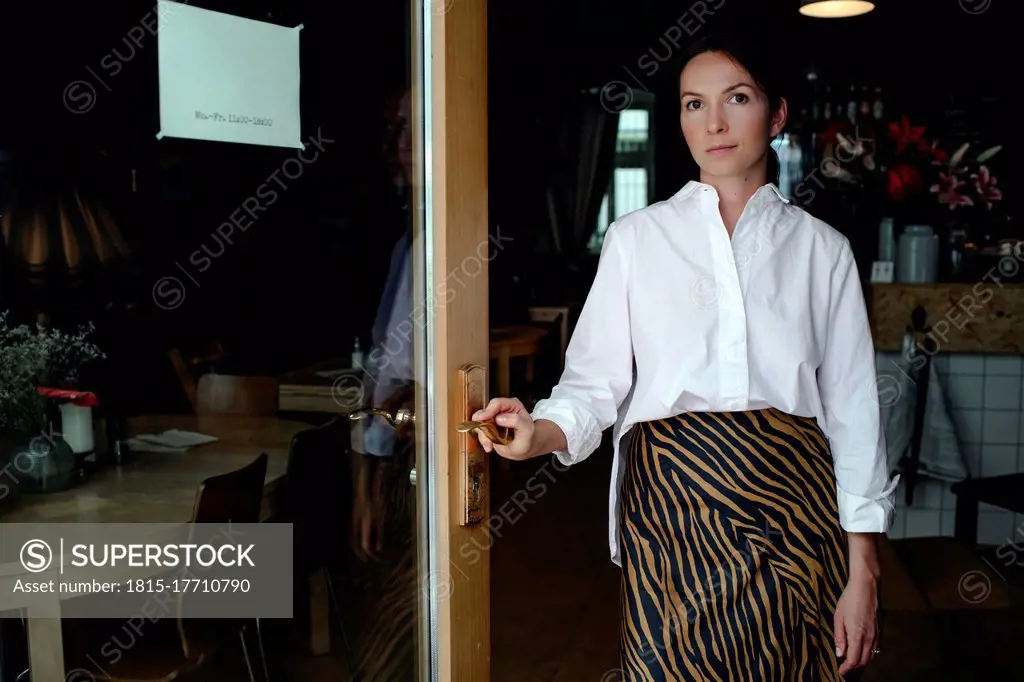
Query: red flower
point(946, 188)
point(81, 398)
point(903, 181)
point(940, 157)
point(985, 183)
point(907, 135)
point(833, 127)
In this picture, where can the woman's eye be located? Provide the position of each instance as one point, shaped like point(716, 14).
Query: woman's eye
point(693, 105)
point(740, 98)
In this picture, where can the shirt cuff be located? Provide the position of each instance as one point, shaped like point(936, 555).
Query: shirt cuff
point(868, 514)
point(379, 439)
point(582, 432)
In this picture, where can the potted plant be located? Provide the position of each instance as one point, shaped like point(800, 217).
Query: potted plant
point(38, 366)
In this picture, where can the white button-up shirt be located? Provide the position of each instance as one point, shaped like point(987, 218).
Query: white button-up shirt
point(681, 318)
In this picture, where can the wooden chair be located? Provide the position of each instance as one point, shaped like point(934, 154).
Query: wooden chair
point(212, 393)
point(558, 316)
point(234, 497)
point(155, 656)
point(227, 394)
point(190, 366)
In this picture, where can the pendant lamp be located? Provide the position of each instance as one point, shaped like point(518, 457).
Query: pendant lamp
point(64, 252)
point(835, 9)
point(61, 235)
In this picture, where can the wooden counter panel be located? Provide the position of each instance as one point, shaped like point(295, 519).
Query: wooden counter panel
point(985, 317)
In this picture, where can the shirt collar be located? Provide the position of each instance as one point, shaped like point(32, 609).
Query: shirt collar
point(768, 190)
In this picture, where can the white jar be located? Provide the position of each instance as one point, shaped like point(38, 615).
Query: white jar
point(77, 428)
point(917, 257)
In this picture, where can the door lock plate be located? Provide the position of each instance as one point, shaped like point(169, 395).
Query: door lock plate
point(473, 480)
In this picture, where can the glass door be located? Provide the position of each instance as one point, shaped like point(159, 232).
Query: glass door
point(342, 275)
point(420, 486)
point(386, 395)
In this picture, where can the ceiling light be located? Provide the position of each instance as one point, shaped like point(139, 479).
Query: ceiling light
point(835, 9)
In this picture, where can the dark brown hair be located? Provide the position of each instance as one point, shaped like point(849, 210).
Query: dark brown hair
point(750, 53)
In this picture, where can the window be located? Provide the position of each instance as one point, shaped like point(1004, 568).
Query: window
point(632, 183)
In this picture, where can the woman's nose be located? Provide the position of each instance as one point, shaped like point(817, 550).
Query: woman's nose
point(716, 121)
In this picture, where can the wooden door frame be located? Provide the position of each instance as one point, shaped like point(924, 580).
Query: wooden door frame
point(453, 108)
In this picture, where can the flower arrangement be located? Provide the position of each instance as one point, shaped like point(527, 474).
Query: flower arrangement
point(978, 190)
point(34, 359)
point(912, 174)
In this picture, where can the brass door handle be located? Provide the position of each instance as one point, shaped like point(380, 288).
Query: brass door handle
point(500, 437)
point(400, 418)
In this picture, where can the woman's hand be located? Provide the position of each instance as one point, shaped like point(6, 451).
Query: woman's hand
point(856, 622)
point(510, 413)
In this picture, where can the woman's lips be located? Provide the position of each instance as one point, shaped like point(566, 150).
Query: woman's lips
point(721, 150)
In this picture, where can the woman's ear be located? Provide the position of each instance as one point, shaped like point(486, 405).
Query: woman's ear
point(779, 117)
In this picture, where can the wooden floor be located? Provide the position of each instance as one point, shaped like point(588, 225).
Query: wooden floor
point(555, 600)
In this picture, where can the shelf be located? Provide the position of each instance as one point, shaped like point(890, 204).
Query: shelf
point(984, 317)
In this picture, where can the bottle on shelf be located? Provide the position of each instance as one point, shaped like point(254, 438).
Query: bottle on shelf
point(878, 108)
point(865, 103)
point(813, 109)
point(358, 358)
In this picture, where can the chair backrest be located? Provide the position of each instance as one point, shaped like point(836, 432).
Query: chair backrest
point(185, 378)
point(236, 496)
point(189, 366)
point(243, 395)
point(318, 492)
point(233, 497)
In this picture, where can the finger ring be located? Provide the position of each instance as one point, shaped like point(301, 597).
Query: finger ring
point(876, 651)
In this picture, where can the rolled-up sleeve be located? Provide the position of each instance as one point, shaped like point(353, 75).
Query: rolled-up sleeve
point(848, 385)
point(599, 358)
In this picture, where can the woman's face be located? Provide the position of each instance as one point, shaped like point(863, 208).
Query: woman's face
point(398, 134)
point(725, 117)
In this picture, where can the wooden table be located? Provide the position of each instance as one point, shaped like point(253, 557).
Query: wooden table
point(304, 391)
point(153, 488)
point(514, 342)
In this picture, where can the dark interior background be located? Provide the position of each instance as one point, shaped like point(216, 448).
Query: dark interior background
point(301, 283)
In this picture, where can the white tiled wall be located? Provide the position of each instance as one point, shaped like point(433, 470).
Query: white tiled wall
point(986, 394)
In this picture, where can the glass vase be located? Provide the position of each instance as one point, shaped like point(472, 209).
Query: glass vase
point(39, 462)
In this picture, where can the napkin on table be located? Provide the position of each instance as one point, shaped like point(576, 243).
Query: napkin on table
point(172, 440)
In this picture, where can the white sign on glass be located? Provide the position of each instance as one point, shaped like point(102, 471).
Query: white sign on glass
point(227, 79)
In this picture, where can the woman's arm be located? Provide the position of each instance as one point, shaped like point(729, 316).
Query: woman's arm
point(598, 361)
point(864, 563)
point(547, 437)
point(847, 382)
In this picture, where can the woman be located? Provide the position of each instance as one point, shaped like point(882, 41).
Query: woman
point(725, 332)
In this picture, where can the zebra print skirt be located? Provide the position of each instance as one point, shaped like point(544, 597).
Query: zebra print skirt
point(733, 557)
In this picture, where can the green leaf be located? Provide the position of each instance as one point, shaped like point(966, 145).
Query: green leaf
point(989, 153)
point(958, 155)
